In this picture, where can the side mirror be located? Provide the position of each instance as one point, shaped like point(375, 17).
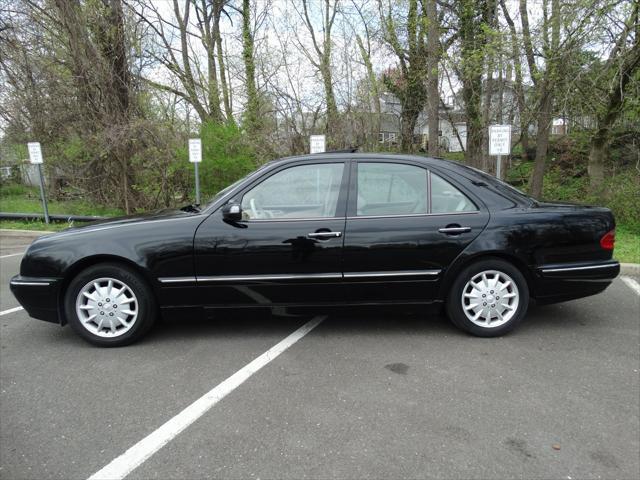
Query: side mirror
point(232, 212)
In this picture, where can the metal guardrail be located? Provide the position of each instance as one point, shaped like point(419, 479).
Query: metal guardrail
point(55, 218)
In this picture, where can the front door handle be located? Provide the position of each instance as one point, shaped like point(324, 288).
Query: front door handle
point(324, 235)
point(454, 230)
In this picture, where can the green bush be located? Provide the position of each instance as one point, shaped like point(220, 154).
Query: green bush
point(226, 156)
point(620, 192)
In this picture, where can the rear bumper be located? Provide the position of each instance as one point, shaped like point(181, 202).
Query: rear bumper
point(560, 282)
point(38, 296)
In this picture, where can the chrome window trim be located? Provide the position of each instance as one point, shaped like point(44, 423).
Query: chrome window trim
point(399, 273)
point(475, 212)
point(301, 219)
point(585, 267)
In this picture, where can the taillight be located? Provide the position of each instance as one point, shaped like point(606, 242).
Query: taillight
point(608, 240)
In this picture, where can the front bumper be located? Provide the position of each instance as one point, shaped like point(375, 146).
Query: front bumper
point(568, 281)
point(38, 296)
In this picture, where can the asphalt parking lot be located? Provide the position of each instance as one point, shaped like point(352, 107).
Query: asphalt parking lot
point(365, 394)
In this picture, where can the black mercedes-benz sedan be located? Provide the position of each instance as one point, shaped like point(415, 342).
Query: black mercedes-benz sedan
point(325, 230)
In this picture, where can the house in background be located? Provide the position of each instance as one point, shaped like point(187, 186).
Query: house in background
point(452, 127)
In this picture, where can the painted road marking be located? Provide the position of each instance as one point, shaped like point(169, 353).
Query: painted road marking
point(632, 284)
point(11, 310)
point(11, 255)
point(141, 451)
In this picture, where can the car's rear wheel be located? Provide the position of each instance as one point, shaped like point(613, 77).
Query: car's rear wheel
point(110, 305)
point(489, 298)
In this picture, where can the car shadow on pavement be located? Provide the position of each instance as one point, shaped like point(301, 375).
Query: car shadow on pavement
point(351, 321)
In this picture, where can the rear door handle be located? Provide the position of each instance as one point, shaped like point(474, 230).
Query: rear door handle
point(324, 235)
point(454, 230)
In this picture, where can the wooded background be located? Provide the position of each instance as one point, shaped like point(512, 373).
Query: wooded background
point(114, 88)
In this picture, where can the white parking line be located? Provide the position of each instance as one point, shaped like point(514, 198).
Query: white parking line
point(11, 310)
point(632, 284)
point(141, 451)
point(11, 255)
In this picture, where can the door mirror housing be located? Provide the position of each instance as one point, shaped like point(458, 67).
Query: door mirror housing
point(232, 212)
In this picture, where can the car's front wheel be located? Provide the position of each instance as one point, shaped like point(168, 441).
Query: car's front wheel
point(488, 298)
point(110, 305)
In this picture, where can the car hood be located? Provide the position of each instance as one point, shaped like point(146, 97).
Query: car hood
point(164, 214)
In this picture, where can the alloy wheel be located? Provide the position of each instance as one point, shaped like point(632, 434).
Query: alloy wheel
point(490, 299)
point(107, 307)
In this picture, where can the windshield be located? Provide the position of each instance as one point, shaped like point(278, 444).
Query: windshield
point(228, 188)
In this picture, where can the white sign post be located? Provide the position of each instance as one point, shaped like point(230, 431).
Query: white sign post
point(317, 143)
point(35, 157)
point(195, 157)
point(499, 144)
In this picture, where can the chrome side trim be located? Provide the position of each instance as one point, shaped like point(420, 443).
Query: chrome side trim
point(242, 278)
point(177, 279)
point(403, 273)
point(304, 276)
point(586, 267)
point(474, 212)
point(31, 284)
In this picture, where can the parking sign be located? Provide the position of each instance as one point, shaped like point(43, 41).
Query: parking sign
point(317, 143)
point(195, 150)
point(35, 152)
point(499, 139)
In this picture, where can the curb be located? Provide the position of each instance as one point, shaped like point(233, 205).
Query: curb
point(10, 232)
point(630, 269)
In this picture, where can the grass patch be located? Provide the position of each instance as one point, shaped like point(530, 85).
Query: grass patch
point(627, 248)
point(33, 225)
point(23, 199)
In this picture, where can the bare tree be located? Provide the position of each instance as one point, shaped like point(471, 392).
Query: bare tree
point(433, 60)
point(516, 58)
point(320, 57)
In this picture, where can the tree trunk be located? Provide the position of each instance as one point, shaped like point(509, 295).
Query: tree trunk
point(596, 161)
point(252, 111)
point(226, 97)
point(471, 95)
point(332, 127)
point(408, 119)
point(433, 94)
point(486, 117)
point(373, 86)
point(545, 118)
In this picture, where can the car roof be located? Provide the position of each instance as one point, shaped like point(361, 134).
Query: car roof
point(368, 155)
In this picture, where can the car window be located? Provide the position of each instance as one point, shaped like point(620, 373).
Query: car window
point(391, 189)
point(303, 191)
point(445, 198)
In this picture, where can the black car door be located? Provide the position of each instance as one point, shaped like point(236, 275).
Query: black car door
point(287, 248)
point(405, 225)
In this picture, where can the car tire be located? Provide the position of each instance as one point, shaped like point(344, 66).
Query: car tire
point(488, 298)
point(110, 305)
